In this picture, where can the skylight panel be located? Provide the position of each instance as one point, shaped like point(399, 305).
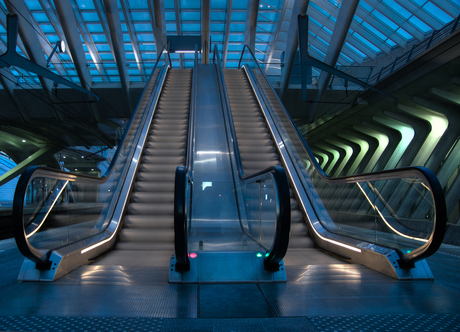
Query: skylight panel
point(358, 19)
point(171, 28)
point(390, 43)
point(237, 28)
point(437, 12)
point(419, 24)
point(317, 50)
point(138, 4)
point(367, 43)
point(350, 60)
point(90, 17)
point(95, 28)
point(335, 3)
point(218, 37)
point(47, 28)
point(145, 38)
point(366, 6)
point(190, 16)
point(217, 27)
point(238, 16)
point(322, 40)
point(397, 8)
point(385, 20)
point(217, 16)
point(329, 31)
point(188, 4)
point(236, 38)
point(419, 2)
point(320, 9)
point(143, 27)
point(40, 17)
point(219, 4)
point(315, 22)
point(189, 27)
point(140, 16)
point(404, 34)
point(354, 49)
point(85, 4)
point(374, 31)
point(170, 16)
point(33, 5)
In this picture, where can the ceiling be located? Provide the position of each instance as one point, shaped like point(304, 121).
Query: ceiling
point(112, 47)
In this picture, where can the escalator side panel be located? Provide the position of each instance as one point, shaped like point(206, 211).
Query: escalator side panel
point(256, 145)
point(149, 220)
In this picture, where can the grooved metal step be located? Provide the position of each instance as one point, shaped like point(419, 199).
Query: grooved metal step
point(256, 145)
point(149, 220)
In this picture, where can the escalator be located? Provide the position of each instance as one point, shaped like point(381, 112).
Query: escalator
point(256, 145)
point(148, 223)
point(233, 200)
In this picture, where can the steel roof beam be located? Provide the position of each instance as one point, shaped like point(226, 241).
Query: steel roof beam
point(103, 20)
point(113, 19)
point(275, 37)
point(3, 14)
point(402, 22)
point(448, 7)
point(32, 45)
point(205, 10)
point(324, 35)
point(72, 36)
point(380, 27)
point(300, 8)
point(344, 19)
point(29, 38)
point(251, 24)
point(178, 27)
point(228, 23)
point(133, 37)
point(88, 41)
point(421, 14)
point(8, 81)
point(158, 20)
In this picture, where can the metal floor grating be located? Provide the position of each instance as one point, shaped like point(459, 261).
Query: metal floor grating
point(375, 323)
point(384, 323)
point(21, 323)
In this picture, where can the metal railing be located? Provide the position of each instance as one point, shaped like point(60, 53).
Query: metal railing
point(182, 186)
point(39, 244)
point(435, 37)
point(299, 151)
point(277, 174)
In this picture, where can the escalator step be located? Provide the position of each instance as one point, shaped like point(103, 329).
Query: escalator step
point(149, 220)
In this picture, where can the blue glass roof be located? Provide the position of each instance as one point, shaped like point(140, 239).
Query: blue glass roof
point(378, 28)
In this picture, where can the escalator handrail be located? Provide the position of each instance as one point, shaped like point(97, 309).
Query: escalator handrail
point(181, 182)
point(283, 207)
point(227, 111)
point(30, 252)
point(440, 215)
point(180, 220)
point(191, 124)
point(283, 215)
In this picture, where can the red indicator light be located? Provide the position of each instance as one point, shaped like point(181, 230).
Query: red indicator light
point(192, 255)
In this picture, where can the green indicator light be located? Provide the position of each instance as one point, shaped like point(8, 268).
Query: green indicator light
point(408, 251)
point(259, 254)
point(266, 255)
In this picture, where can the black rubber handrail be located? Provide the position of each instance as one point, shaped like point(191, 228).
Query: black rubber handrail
point(440, 219)
point(183, 174)
point(180, 220)
point(42, 259)
point(283, 216)
point(283, 206)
